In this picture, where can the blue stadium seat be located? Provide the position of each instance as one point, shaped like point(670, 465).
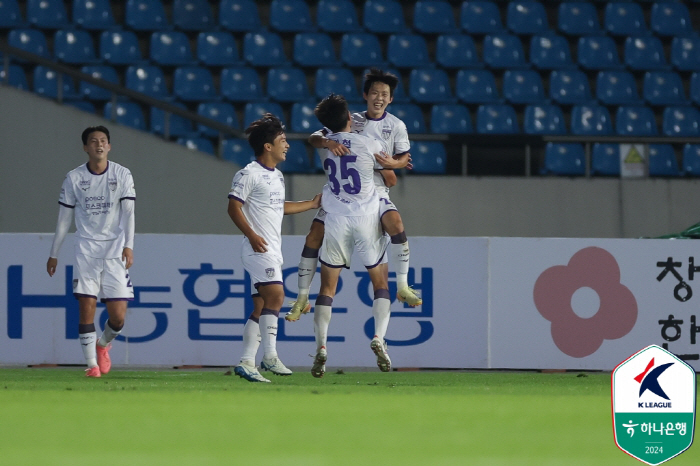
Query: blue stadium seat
point(480, 17)
point(450, 119)
point(605, 159)
point(217, 48)
point(691, 159)
point(93, 92)
point(237, 151)
point(147, 79)
point(297, 160)
point(476, 87)
point(119, 47)
point(591, 120)
point(550, 52)
point(170, 48)
point(411, 115)
point(337, 16)
point(145, 15)
point(240, 84)
point(578, 19)
point(456, 51)
point(74, 47)
point(127, 114)
point(177, 126)
point(685, 53)
point(635, 120)
point(544, 119)
point(662, 160)
point(496, 119)
point(193, 83)
point(625, 19)
point(670, 19)
point(15, 77)
point(290, 16)
point(428, 157)
point(526, 17)
point(195, 143)
point(46, 84)
point(695, 88)
point(255, 110)
point(239, 15)
point(617, 88)
point(664, 88)
point(223, 112)
point(384, 17)
point(303, 118)
point(433, 17)
point(82, 105)
point(569, 87)
point(567, 159)
point(47, 14)
point(407, 51)
point(287, 84)
point(10, 15)
point(504, 51)
point(29, 40)
point(681, 121)
point(264, 49)
point(93, 15)
point(361, 50)
point(193, 15)
point(523, 87)
point(598, 53)
point(314, 49)
point(430, 86)
point(338, 81)
point(645, 53)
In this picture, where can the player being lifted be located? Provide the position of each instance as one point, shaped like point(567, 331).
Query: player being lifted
point(376, 122)
point(101, 195)
point(351, 203)
point(257, 205)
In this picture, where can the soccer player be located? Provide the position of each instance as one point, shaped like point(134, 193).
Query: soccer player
point(376, 122)
point(257, 205)
point(101, 195)
point(351, 203)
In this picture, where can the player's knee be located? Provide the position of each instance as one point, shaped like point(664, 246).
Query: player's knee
point(392, 223)
point(314, 239)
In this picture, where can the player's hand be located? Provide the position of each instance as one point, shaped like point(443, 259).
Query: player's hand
point(128, 257)
point(409, 164)
point(337, 148)
point(316, 201)
point(51, 266)
point(257, 242)
point(386, 161)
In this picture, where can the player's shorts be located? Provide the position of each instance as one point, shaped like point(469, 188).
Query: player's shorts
point(320, 215)
point(362, 234)
point(104, 279)
point(385, 204)
point(264, 269)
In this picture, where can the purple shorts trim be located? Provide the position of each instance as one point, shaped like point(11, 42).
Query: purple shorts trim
point(231, 196)
point(390, 210)
point(380, 261)
point(319, 221)
point(257, 285)
point(79, 295)
point(106, 300)
point(66, 205)
point(333, 266)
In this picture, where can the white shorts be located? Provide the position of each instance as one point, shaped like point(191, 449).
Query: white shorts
point(104, 279)
point(385, 204)
point(343, 235)
point(264, 269)
point(320, 215)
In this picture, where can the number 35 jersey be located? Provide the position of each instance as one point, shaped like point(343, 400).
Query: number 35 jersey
point(350, 189)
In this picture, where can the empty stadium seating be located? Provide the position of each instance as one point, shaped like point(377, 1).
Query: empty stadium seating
point(564, 159)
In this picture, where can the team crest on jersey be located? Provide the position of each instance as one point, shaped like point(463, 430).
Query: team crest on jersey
point(112, 184)
point(386, 133)
point(270, 272)
point(84, 184)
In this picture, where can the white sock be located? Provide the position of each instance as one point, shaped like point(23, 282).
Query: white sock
point(400, 255)
point(251, 341)
point(108, 335)
point(268, 332)
point(381, 312)
point(307, 270)
point(87, 343)
point(322, 318)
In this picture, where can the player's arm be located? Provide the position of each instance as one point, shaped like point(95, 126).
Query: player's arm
point(295, 207)
point(129, 222)
point(235, 211)
point(394, 163)
point(65, 218)
point(320, 141)
point(389, 177)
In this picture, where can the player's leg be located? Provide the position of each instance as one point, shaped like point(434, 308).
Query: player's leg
point(399, 254)
point(87, 279)
point(381, 310)
point(117, 291)
point(307, 267)
point(272, 295)
point(246, 368)
point(323, 309)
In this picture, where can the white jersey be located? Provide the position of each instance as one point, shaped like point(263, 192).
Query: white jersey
point(96, 198)
point(350, 189)
point(388, 129)
point(261, 191)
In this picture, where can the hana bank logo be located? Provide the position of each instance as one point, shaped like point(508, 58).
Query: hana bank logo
point(597, 269)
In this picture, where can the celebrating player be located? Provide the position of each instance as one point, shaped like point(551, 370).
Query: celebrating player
point(257, 205)
point(101, 195)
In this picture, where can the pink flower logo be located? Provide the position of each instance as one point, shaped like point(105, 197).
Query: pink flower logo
point(597, 269)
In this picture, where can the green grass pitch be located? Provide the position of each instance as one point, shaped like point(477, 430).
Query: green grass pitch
point(55, 416)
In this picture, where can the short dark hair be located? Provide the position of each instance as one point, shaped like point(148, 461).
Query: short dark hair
point(376, 75)
point(263, 131)
point(332, 112)
point(92, 129)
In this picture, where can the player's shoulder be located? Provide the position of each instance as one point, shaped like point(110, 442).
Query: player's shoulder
point(119, 169)
point(394, 120)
